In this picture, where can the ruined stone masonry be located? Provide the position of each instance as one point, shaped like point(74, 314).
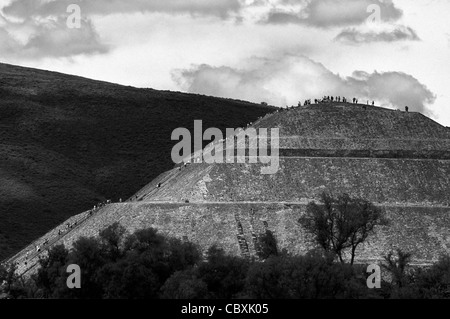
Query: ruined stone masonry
point(400, 161)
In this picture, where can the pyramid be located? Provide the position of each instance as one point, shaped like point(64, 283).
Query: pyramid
point(400, 161)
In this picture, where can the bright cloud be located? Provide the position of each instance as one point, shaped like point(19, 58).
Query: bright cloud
point(288, 79)
point(332, 13)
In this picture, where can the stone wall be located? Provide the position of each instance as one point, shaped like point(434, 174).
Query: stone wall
point(351, 122)
point(397, 181)
point(234, 227)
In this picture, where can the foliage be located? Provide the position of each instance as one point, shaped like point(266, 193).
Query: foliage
point(434, 282)
point(304, 277)
point(396, 265)
point(11, 286)
point(115, 265)
point(148, 265)
point(185, 285)
point(267, 245)
point(342, 223)
point(224, 275)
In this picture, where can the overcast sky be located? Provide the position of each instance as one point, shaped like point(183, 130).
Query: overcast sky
point(278, 51)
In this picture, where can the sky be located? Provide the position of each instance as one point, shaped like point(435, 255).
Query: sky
point(393, 52)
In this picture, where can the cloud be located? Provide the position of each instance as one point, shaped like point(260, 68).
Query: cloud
point(43, 8)
point(9, 46)
point(49, 38)
point(42, 23)
point(36, 37)
point(287, 79)
point(43, 20)
point(396, 88)
point(55, 39)
point(391, 34)
point(374, 18)
point(332, 13)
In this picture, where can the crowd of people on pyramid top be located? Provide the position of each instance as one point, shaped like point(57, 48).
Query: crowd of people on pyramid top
point(332, 99)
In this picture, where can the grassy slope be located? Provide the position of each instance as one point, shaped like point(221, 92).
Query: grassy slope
point(68, 142)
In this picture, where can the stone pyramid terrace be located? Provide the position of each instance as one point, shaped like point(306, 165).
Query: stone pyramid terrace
point(399, 161)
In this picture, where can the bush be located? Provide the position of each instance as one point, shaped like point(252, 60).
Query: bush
point(147, 265)
point(306, 277)
point(224, 275)
point(50, 276)
point(114, 266)
point(434, 282)
point(267, 245)
point(184, 285)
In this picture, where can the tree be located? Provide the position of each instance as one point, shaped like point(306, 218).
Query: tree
point(111, 238)
point(181, 255)
point(224, 275)
point(434, 282)
point(267, 245)
point(313, 276)
point(397, 266)
point(342, 223)
point(50, 276)
point(90, 256)
point(12, 286)
point(184, 285)
point(146, 260)
point(7, 277)
point(115, 266)
point(403, 277)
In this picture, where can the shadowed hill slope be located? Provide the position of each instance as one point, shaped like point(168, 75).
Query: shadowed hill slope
point(68, 142)
point(397, 160)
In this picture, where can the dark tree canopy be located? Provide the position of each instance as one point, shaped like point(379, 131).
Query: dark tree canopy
point(396, 264)
point(267, 245)
point(342, 223)
point(148, 265)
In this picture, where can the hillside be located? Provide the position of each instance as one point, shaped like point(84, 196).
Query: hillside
point(68, 142)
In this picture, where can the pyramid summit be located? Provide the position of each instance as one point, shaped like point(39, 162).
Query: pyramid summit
point(400, 161)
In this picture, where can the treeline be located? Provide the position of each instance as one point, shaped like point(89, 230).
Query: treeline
point(146, 264)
